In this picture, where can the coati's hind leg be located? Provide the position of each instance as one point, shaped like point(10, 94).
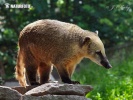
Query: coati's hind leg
point(44, 71)
point(31, 71)
point(31, 67)
point(65, 74)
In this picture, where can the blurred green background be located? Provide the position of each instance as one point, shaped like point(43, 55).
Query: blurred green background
point(114, 21)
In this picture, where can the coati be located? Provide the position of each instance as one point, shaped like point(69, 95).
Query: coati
point(47, 43)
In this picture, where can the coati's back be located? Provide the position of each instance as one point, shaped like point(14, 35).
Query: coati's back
point(50, 38)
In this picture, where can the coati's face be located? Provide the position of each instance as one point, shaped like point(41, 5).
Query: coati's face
point(96, 51)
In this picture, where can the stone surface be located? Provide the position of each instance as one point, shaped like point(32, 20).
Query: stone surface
point(60, 89)
point(23, 90)
point(6, 93)
point(55, 97)
point(48, 91)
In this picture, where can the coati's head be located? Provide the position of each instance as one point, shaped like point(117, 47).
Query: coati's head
point(95, 50)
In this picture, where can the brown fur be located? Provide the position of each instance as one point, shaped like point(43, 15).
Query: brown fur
point(49, 42)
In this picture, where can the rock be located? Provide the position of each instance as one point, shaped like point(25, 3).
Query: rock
point(6, 93)
point(60, 89)
point(55, 97)
point(23, 90)
point(48, 91)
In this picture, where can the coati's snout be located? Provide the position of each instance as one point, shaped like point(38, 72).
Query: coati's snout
point(103, 60)
point(100, 59)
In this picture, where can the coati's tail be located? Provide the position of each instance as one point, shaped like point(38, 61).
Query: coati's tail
point(20, 70)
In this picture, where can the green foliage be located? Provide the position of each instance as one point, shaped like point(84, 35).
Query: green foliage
point(112, 18)
point(112, 84)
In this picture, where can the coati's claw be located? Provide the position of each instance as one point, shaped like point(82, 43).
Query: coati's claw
point(35, 83)
point(75, 82)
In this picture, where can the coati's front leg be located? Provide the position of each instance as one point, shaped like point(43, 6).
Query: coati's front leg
point(44, 71)
point(65, 75)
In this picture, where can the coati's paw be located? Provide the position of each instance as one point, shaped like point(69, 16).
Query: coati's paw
point(35, 83)
point(75, 82)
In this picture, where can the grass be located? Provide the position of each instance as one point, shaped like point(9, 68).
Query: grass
point(113, 84)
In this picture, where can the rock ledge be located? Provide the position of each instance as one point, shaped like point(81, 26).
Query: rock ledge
point(48, 91)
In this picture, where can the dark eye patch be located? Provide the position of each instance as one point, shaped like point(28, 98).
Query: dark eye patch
point(99, 53)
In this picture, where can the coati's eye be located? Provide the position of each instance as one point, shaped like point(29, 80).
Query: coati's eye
point(98, 52)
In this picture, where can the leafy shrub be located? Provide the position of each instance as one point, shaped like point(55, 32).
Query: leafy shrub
point(112, 84)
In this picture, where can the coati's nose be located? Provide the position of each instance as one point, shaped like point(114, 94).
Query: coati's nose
point(106, 63)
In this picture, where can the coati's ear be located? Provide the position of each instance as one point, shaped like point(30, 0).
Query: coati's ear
point(96, 32)
point(86, 40)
